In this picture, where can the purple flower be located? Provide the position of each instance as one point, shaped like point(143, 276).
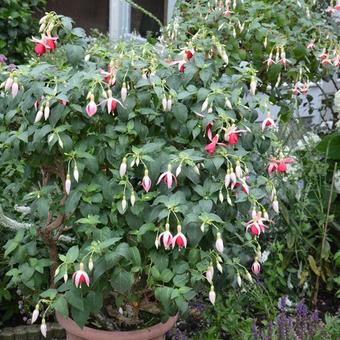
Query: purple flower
point(301, 310)
point(11, 67)
point(254, 330)
point(3, 59)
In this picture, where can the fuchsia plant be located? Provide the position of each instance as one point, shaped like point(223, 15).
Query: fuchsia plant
point(144, 175)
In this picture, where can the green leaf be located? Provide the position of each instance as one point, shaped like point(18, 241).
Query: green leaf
point(313, 265)
point(135, 256)
point(60, 305)
point(49, 294)
point(166, 275)
point(72, 201)
point(180, 112)
point(72, 254)
point(74, 299)
point(122, 280)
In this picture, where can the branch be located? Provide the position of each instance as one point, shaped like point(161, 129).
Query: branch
point(12, 224)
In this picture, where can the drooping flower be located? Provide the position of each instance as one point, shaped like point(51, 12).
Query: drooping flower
point(167, 177)
point(179, 239)
point(166, 237)
point(80, 276)
point(15, 89)
point(231, 134)
point(304, 89)
point(91, 107)
point(279, 165)
point(311, 45)
point(256, 224)
point(268, 122)
point(146, 181)
point(45, 43)
point(219, 243)
point(111, 102)
point(8, 83)
point(211, 147)
point(212, 295)
point(256, 267)
point(270, 61)
point(35, 314)
point(109, 75)
point(180, 64)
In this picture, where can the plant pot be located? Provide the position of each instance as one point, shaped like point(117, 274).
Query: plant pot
point(74, 332)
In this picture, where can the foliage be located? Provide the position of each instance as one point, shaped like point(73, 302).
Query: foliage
point(17, 24)
point(188, 116)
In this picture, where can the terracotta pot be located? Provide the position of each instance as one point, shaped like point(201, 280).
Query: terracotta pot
point(74, 332)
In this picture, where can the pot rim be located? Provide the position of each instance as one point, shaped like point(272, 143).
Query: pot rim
point(152, 332)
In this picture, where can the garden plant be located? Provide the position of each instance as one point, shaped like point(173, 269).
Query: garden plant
point(142, 171)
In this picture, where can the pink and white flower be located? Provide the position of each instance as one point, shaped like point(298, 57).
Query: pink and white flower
point(146, 181)
point(167, 177)
point(256, 224)
point(311, 45)
point(80, 276)
point(91, 107)
point(219, 243)
point(35, 314)
point(268, 122)
point(231, 135)
point(166, 237)
point(179, 239)
point(256, 267)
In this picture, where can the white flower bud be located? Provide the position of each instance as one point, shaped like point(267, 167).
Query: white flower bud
point(276, 206)
point(65, 277)
point(212, 295)
point(124, 203)
point(157, 242)
point(90, 264)
point(239, 280)
point(205, 105)
point(35, 314)
point(50, 137)
point(248, 276)
point(43, 328)
point(178, 170)
point(76, 173)
point(38, 116)
point(238, 171)
point(253, 86)
point(229, 200)
point(68, 184)
point(202, 227)
point(169, 104)
point(133, 198)
point(228, 104)
point(47, 111)
point(123, 92)
point(164, 104)
point(221, 197)
point(87, 57)
point(210, 274)
point(123, 168)
point(219, 243)
point(60, 142)
point(196, 169)
point(57, 271)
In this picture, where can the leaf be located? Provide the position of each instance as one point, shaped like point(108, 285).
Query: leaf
point(72, 254)
point(43, 207)
point(49, 294)
point(166, 275)
point(74, 299)
point(135, 256)
point(180, 112)
point(72, 201)
point(122, 280)
point(61, 306)
point(313, 265)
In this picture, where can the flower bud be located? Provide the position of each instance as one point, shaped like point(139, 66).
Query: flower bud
point(205, 105)
point(38, 116)
point(157, 242)
point(123, 167)
point(228, 103)
point(248, 276)
point(178, 170)
point(47, 111)
point(202, 227)
point(276, 206)
point(133, 198)
point(229, 199)
point(123, 92)
point(164, 104)
point(221, 197)
point(56, 272)
point(43, 328)
point(65, 277)
point(68, 184)
point(90, 264)
point(15, 89)
point(87, 57)
point(35, 314)
point(76, 173)
point(196, 169)
point(60, 142)
point(169, 104)
point(212, 295)
point(239, 280)
point(124, 203)
point(219, 243)
point(256, 267)
point(8, 83)
point(265, 215)
point(253, 85)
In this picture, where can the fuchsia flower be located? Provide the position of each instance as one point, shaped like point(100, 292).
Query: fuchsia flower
point(304, 89)
point(146, 181)
point(270, 61)
point(268, 122)
point(91, 107)
point(109, 75)
point(166, 237)
point(45, 43)
point(227, 12)
point(336, 61)
point(330, 10)
point(256, 225)
point(311, 45)
point(167, 177)
point(295, 90)
point(256, 267)
point(180, 64)
point(211, 147)
point(179, 240)
point(279, 165)
point(111, 102)
point(188, 54)
point(80, 276)
point(323, 55)
point(231, 135)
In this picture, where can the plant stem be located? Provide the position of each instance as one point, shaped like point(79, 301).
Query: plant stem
point(143, 10)
point(324, 236)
